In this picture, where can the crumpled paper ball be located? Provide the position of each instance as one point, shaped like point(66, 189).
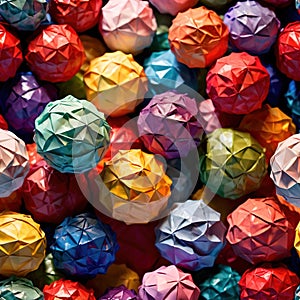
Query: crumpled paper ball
point(22, 245)
point(270, 235)
point(269, 126)
point(238, 83)
point(50, 196)
point(284, 169)
point(216, 4)
point(71, 135)
point(24, 15)
point(173, 7)
point(14, 162)
point(15, 288)
point(34, 157)
point(198, 37)
point(287, 50)
point(252, 27)
point(83, 246)
point(168, 283)
point(169, 125)
point(165, 73)
point(232, 163)
point(128, 26)
point(81, 15)
point(221, 283)
point(119, 293)
point(55, 54)
point(268, 281)
point(134, 187)
point(11, 56)
point(192, 236)
point(297, 239)
point(26, 100)
point(115, 83)
point(64, 289)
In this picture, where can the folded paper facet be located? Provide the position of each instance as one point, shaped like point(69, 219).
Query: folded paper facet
point(192, 236)
point(287, 51)
point(168, 283)
point(11, 55)
point(297, 293)
point(169, 125)
point(259, 231)
point(119, 293)
point(22, 245)
point(115, 83)
point(83, 246)
point(71, 135)
point(128, 26)
point(238, 83)
point(198, 37)
point(232, 163)
point(55, 54)
point(268, 281)
point(14, 162)
point(252, 27)
point(81, 15)
point(173, 7)
point(64, 289)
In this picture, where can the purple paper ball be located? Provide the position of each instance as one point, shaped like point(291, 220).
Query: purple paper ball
point(119, 293)
point(252, 27)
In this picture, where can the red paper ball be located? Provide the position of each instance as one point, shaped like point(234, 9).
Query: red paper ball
point(287, 51)
point(55, 54)
point(3, 123)
point(81, 15)
point(238, 83)
point(10, 55)
point(34, 157)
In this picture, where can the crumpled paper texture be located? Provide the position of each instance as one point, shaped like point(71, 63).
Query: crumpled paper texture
point(221, 283)
point(71, 135)
point(83, 246)
point(119, 293)
point(165, 73)
point(284, 169)
point(22, 245)
point(297, 239)
point(192, 236)
point(55, 54)
point(26, 15)
point(19, 289)
point(168, 283)
point(252, 27)
point(287, 50)
point(169, 125)
point(64, 289)
point(238, 83)
point(115, 83)
point(11, 56)
point(50, 196)
point(26, 100)
point(269, 126)
point(259, 231)
point(14, 162)
point(173, 7)
point(268, 281)
point(135, 187)
point(232, 163)
point(81, 15)
point(209, 37)
point(128, 26)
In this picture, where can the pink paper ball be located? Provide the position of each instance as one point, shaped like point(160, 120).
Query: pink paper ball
point(173, 7)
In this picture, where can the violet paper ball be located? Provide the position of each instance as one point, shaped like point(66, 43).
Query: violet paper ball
point(252, 27)
point(83, 246)
point(192, 236)
point(119, 293)
point(169, 125)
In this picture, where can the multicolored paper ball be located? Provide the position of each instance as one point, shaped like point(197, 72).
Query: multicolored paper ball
point(71, 135)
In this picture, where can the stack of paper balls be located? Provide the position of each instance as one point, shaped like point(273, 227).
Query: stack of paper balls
point(149, 149)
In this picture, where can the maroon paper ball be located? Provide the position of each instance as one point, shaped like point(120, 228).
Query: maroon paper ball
point(55, 54)
point(50, 196)
point(288, 49)
point(10, 54)
point(238, 83)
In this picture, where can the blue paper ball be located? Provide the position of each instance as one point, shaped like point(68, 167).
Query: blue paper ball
point(292, 97)
point(83, 246)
